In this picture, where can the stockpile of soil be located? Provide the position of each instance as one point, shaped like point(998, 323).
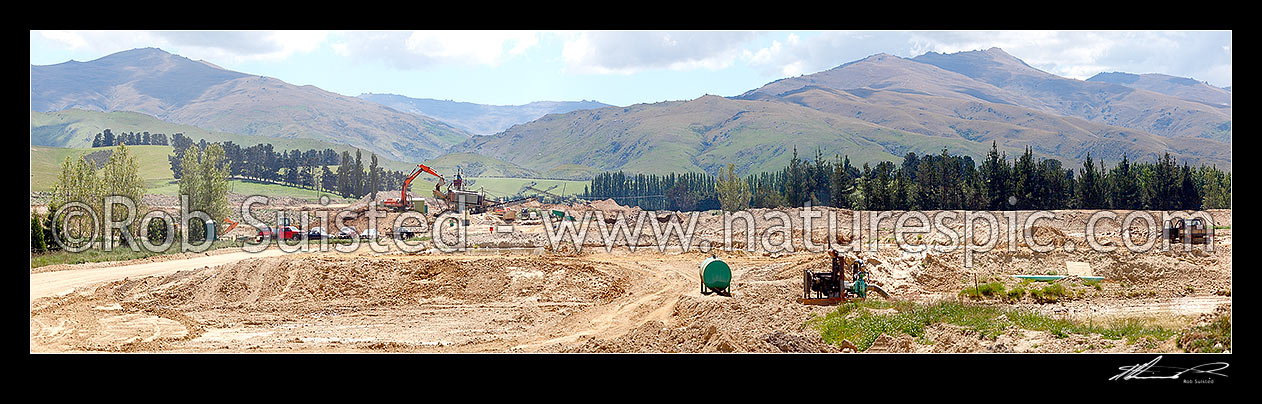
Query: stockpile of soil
point(361, 280)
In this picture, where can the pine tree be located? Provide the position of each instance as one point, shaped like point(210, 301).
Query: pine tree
point(1126, 191)
point(374, 176)
point(1189, 195)
point(1091, 192)
point(357, 175)
point(1165, 184)
point(842, 184)
point(997, 176)
point(795, 186)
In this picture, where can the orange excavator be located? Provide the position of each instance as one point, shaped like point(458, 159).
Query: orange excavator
point(404, 202)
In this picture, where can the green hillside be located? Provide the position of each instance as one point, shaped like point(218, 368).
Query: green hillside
point(705, 134)
point(75, 128)
point(176, 89)
point(474, 165)
point(155, 170)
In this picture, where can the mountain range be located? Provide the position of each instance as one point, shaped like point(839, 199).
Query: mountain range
point(880, 108)
point(873, 109)
point(179, 90)
point(479, 119)
point(1181, 87)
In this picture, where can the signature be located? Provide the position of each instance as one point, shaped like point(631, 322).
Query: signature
point(1150, 370)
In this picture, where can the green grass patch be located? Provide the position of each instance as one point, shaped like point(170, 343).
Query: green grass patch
point(116, 254)
point(1213, 337)
point(1094, 283)
point(862, 322)
point(46, 163)
point(986, 290)
point(1016, 294)
point(1051, 293)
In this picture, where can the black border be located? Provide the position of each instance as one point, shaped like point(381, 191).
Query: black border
point(804, 377)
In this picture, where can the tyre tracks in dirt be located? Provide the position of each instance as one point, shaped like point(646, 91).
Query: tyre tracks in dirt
point(46, 284)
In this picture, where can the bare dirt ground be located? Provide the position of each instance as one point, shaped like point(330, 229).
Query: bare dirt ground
point(502, 299)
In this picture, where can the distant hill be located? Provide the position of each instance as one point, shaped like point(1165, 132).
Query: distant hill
point(74, 128)
point(479, 119)
point(1096, 101)
point(703, 135)
point(877, 108)
point(473, 165)
point(176, 89)
point(1181, 87)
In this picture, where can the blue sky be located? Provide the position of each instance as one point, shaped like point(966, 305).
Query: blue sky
point(623, 67)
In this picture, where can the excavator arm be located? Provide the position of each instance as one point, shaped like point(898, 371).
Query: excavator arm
point(407, 183)
point(403, 201)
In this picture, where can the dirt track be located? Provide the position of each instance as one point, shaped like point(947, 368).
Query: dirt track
point(52, 283)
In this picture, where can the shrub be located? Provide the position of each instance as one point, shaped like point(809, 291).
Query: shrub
point(1095, 283)
point(37, 235)
point(1051, 293)
point(1212, 337)
point(856, 322)
point(1016, 294)
point(989, 290)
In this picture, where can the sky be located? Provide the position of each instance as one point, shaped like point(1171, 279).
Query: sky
point(623, 67)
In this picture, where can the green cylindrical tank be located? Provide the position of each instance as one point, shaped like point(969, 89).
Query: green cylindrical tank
point(716, 276)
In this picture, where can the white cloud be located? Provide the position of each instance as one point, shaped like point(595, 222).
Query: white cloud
point(233, 47)
point(222, 47)
point(419, 49)
point(1082, 54)
point(100, 42)
point(1203, 55)
point(626, 52)
point(813, 52)
point(71, 39)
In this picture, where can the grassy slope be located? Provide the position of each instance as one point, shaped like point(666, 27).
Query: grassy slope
point(705, 134)
point(74, 128)
point(155, 170)
point(477, 166)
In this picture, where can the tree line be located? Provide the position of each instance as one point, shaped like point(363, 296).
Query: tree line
point(303, 169)
point(932, 182)
point(81, 181)
point(680, 192)
point(109, 139)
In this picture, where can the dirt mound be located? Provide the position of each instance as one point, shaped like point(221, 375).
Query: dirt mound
point(608, 205)
point(275, 299)
point(376, 282)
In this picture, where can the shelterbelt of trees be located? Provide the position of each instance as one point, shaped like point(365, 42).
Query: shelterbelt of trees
point(931, 182)
point(304, 169)
point(109, 139)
